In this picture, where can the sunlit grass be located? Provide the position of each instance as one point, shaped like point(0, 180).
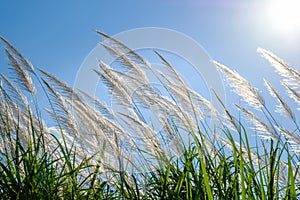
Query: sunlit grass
point(94, 152)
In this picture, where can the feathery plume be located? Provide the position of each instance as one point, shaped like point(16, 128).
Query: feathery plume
point(26, 63)
point(19, 105)
point(242, 87)
point(5, 97)
point(117, 45)
point(262, 128)
point(61, 113)
point(295, 95)
point(291, 75)
point(22, 76)
point(171, 69)
point(130, 66)
point(182, 99)
point(14, 96)
point(142, 93)
point(292, 138)
point(99, 105)
point(203, 107)
point(282, 108)
point(61, 86)
point(233, 124)
point(113, 82)
point(96, 124)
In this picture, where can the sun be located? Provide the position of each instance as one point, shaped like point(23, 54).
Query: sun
point(284, 15)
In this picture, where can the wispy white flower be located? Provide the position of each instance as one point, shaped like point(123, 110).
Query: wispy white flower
point(283, 107)
point(242, 87)
point(292, 76)
point(262, 128)
point(292, 137)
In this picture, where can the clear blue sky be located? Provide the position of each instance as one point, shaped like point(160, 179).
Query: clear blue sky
point(57, 35)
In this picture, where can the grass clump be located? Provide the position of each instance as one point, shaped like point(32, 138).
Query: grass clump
point(95, 152)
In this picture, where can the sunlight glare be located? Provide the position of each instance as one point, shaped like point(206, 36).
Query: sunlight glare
point(284, 15)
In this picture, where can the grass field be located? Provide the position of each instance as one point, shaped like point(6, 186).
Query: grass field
point(94, 152)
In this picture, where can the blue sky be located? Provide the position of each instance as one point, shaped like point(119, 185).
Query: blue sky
point(58, 35)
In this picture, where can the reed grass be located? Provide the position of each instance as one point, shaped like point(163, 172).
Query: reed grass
point(95, 152)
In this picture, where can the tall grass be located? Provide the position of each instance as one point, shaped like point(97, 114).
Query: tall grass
point(95, 152)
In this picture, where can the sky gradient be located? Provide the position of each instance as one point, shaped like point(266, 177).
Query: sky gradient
point(58, 35)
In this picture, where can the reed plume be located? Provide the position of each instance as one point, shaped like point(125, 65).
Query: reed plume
point(27, 65)
point(292, 76)
point(22, 76)
point(263, 130)
point(242, 87)
point(283, 107)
